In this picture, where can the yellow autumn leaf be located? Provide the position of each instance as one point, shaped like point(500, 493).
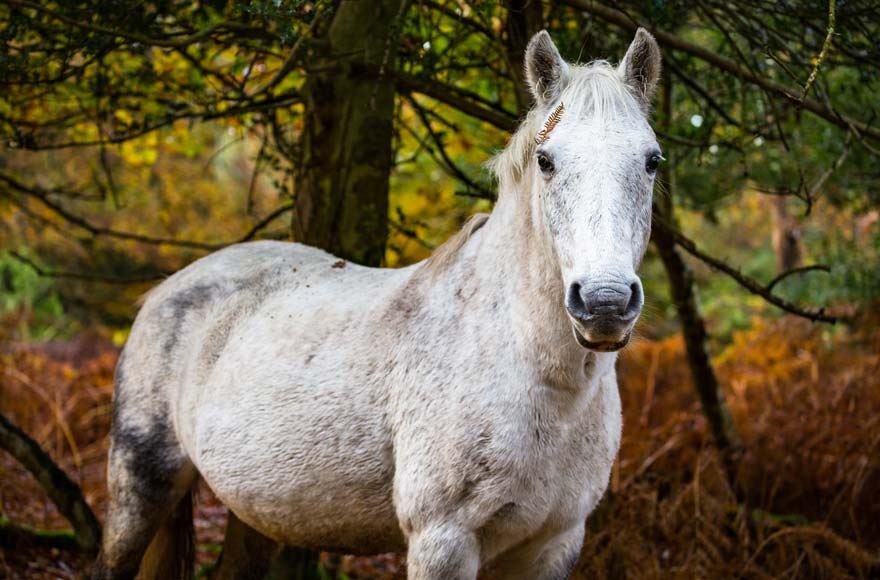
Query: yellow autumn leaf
point(123, 116)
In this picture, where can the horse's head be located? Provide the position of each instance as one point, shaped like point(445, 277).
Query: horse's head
point(592, 167)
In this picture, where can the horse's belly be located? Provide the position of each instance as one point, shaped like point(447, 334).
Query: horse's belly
point(308, 480)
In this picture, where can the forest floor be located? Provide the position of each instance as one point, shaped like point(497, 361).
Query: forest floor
point(804, 499)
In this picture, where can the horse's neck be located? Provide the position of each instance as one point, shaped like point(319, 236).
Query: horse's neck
point(524, 276)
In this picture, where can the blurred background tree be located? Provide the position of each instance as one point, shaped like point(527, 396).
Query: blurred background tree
point(140, 136)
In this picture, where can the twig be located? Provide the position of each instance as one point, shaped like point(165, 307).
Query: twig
point(41, 195)
point(63, 492)
point(822, 110)
point(456, 171)
point(825, 46)
point(793, 271)
point(750, 284)
point(86, 277)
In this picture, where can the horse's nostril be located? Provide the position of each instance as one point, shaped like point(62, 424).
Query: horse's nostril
point(635, 299)
point(575, 300)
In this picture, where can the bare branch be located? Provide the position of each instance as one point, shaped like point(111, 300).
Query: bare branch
point(42, 196)
point(464, 101)
point(750, 284)
point(825, 46)
point(824, 111)
point(793, 271)
point(180, 42)
point(88, 277)
point(454, 169)
point(63, 492)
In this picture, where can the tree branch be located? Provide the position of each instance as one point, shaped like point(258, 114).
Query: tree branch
point(63, 492)
point(823, 111)
point(826, 45)
point(41, 195)
point(793, 271)
point(458, 99)
point(750, 284)
point(86, 277)
point(454, 169)
point(133, 36)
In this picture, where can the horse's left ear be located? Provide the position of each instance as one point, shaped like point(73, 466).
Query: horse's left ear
point(640, 68)
point(546, 71)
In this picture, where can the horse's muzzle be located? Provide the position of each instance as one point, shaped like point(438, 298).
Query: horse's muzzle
point(604, 312)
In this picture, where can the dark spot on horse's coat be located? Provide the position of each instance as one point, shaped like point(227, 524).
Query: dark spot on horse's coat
point(338, 264)
point(504, 512)
point(177, 307)
point(147, 453)
point(309, 358)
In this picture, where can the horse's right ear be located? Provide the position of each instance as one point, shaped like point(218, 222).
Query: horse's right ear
point(546, 71)
point(640, 67)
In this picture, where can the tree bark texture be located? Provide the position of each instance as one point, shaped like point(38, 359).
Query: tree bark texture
point(346, 145)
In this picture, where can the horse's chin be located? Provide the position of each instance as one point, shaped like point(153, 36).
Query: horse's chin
point(601, 346)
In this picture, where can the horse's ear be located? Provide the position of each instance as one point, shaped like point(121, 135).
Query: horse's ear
point(546, 72)
point(640, 68)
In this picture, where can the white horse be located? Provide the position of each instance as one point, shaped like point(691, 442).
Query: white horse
point(463, 409)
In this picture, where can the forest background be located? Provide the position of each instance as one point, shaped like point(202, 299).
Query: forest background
point(136, 137)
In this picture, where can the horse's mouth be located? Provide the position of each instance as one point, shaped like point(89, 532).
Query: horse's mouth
point(604, 346)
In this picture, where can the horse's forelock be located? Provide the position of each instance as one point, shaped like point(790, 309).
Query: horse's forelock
point(594, 89)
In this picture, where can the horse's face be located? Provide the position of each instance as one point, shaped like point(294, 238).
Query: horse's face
point(594, 170)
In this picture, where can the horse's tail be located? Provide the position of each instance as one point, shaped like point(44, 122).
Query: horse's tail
point(171, 554)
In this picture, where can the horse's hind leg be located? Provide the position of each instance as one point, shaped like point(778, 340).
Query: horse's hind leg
point(247, 554)
point(150, 483)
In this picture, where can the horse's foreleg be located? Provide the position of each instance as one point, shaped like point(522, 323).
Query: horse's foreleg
point(247, 554)
point(443, 551)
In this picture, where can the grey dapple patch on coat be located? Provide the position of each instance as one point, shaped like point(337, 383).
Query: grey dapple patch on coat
point(463, 409)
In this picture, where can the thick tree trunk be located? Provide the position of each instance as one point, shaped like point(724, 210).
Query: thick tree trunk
point(684, 295)
point(524, 19)
point(60, 489)
point(346, 148)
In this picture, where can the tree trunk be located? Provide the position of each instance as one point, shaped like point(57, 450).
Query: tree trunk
point(684, 295)
point(524, 19)
point(786, 236)
point(693, 328)
point(346, 145)
point(60, 489)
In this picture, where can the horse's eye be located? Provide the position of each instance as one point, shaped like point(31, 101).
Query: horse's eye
point(653, 163)
point(545, 163)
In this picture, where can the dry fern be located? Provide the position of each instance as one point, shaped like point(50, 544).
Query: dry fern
point(550, 124)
